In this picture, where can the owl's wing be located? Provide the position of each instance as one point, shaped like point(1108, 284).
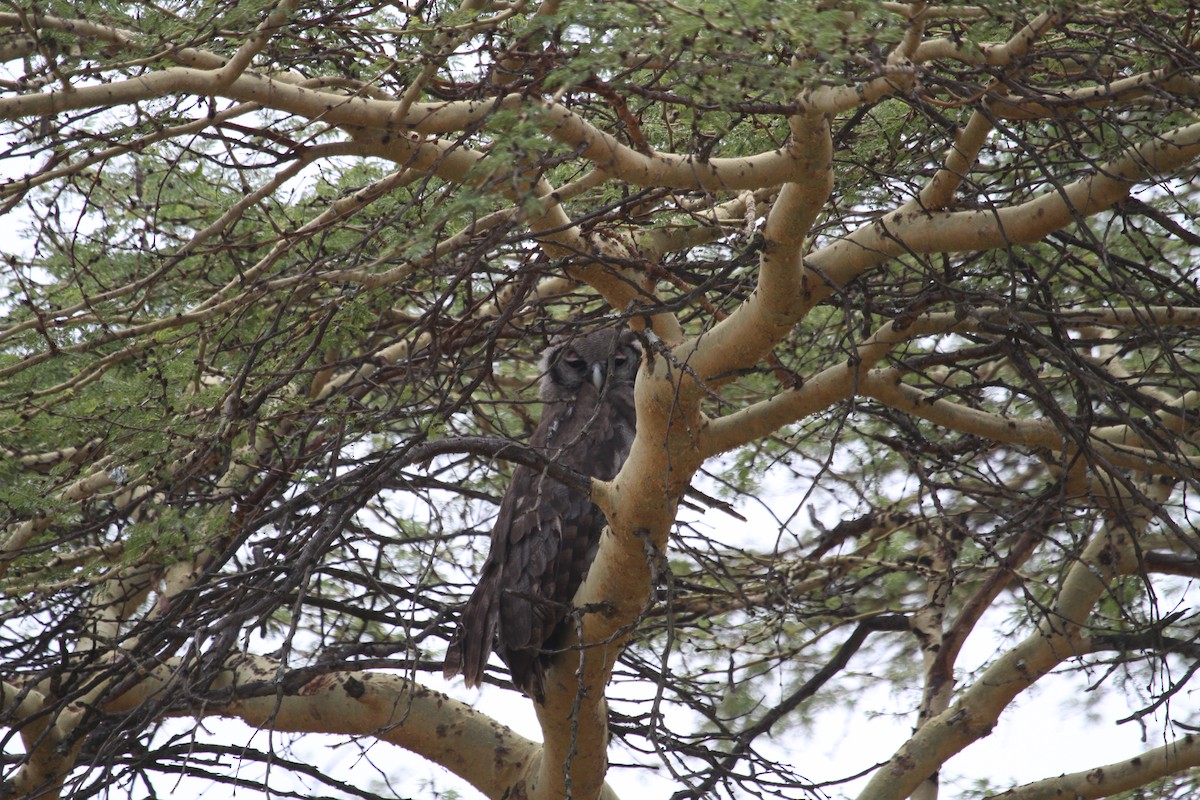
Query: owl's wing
point(551, 543)
point(542, 542)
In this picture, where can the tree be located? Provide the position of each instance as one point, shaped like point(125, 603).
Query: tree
point(276, 278)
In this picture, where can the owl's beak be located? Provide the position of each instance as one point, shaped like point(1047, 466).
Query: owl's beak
point(598, 375)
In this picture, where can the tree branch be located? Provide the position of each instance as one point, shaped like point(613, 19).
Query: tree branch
point(1110, 779)
point(256, 690)
point(1059, 637)
point(910, 229)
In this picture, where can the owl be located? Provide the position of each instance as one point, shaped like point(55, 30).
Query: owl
point(546, 534)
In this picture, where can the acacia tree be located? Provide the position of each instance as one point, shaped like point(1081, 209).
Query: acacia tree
point(915, 279)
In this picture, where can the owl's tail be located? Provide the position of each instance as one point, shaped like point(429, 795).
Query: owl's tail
point(473, 642)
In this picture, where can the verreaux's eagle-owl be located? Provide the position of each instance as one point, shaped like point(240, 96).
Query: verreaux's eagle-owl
point(546, 533)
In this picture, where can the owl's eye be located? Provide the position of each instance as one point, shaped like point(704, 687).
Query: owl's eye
point(573, 361)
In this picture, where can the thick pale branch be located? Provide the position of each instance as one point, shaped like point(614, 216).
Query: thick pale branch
point(928, 624)
point(827, 387)
point(665, 169)
point(641, 505)
point(51, 743)
point(660, 169)
point(329, 107)
point(1070, 102)
point(20, 534)
point(912, 229)
point(1122, 445)
point(744, 337)
point(610, 155)
point(705, 226)
point(885, 386)
point(108, 34)
point(1110, 779)
point(838, 99)
point(14, 47)
point(963, 154)
point(240, 61)
point(387, 706)
point(1179, 416)
point(20, 701)
point(996, 55)
point(1059, 636)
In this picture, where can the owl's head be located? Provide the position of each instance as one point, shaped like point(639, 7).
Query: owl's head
point(605, 358)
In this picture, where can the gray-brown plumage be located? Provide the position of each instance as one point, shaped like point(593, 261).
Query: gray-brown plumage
point(546, 534)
